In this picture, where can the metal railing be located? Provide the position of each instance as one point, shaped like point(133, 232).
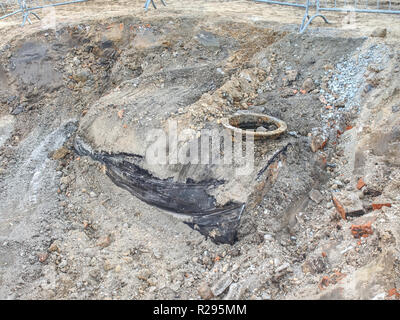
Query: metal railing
point(27, 7)
point(361, 6)
point(146, 5)
point(9, 8)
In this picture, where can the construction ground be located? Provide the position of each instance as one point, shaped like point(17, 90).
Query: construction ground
point(324, 223)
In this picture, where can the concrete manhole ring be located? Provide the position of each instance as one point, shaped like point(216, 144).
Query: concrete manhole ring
point(255, 124)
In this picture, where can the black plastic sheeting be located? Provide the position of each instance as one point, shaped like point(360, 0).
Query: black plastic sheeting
point(191, 199)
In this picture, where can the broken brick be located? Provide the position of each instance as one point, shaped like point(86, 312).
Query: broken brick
point(348, 128)
point(361, 230)
point(317, 143)
point(360, 184)
point(339, 208)
point(393, 292)
point(324, 282)
point(121, 113)
point(378, 206)
point(348, 204)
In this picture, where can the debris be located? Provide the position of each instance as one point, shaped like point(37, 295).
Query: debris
point(121, 113)
point(104, 242)
point(379, 33)
point(360, 184)
point(316, 196)
point(54, 247)
point(339, 208)
point(191, 199)
point(393, 292)
point(292, 75)
point(333, 279)
point(378, 206)
point(235, 292)
point(17, 110)
point(222, 285)
point(282, 268)
point(323, 99)
point(60, 153)
point(317, 143)
point(348, 204)
point(371, 192)
point(361, 230)
point(144, 274)
point(43, 257)
point(308, 85)
point(324, 282)
point(205, 292)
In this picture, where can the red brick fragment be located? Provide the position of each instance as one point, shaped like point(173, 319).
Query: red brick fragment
point(377, 206)
point(360, 183)
point(339, 208)
point(361, 230)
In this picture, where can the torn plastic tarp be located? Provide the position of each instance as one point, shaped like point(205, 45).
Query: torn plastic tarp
point(191, 199)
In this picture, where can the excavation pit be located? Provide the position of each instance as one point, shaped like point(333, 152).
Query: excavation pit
point(80, 193)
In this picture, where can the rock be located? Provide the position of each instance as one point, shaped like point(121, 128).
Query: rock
point(82, 75)
point(6, 128)
point(107, 266)
point(92, 194)
point(54, 247)
point(348, 204)
point(368, 191)
point(205, 292)
point(157, 253)
point(268, 237)
point(379, 33)
point(60, 153)
point(288, 93)
point(235, 292)
point(221, 285)
point(206, 260)
point(317, 143)
point(395, 109)
point(261, 129)
point(144, 274)
point(282, 267)
point(341, 103)
point(65, 180)
point(308, 85)
point(316, 196)
point(43, 257)
point(207, 39)
point(17, 110)
point(257, 109)
point(104, 242)
point(76, 61)
point(292, 75)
